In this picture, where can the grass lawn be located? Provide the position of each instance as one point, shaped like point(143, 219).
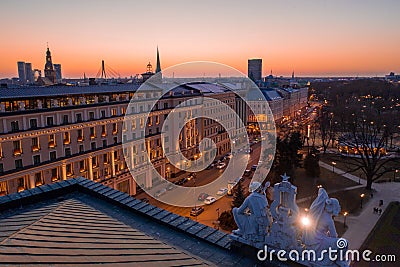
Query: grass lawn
point(341, 164)
point(307, 186)
point(385, 237)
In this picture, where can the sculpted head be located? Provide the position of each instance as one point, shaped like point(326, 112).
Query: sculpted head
point(332, 206)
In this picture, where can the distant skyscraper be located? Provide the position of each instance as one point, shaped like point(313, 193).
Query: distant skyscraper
point(57, 69)
point(48, 67)
point(28, 72)
point(254, 69)
point(21, 72)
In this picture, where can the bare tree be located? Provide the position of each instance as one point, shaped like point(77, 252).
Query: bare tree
point(368, 139)
point(326, 128)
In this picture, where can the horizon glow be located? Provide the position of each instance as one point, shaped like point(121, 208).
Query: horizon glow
point(311, 38)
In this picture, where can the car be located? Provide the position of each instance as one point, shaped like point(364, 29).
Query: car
point(229, 155)
point(248, 151)
point(202, 196)
point(209, 167)
point(160, 192)
point(191, 176)
point(238, 179)
point(196, 211)
point(247, 173)
point(209, 200)
point(145, 200)
point(254, 167)
point(222, 191)
point(182, 181)
point(221, 165)
point(170, 187)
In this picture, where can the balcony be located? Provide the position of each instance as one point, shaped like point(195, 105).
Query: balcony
point(67, 141)
point(115, 131)
point(39, 183)
point(80, 138)
point(52, 144)
point(55, 178)
point(35, 148)
point(103, 134)
point(69, 174)
point(92, 136)
point(17, 151)
point(82, 170)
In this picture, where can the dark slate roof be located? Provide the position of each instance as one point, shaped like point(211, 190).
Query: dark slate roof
point(58, 90)
point(207, 87)
point(271, 94)
point(78, 222)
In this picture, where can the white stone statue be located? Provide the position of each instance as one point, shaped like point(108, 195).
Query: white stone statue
point(39, 104)
point(285, 213)
point(2, 107)
point(321, 234)
point(21, 105)
point(252, 217)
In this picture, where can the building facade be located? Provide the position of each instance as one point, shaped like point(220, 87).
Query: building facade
point(55, 133)
point(254, 69)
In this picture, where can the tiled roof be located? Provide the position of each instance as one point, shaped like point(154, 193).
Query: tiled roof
point(78, 221)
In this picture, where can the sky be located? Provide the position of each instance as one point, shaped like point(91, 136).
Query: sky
point(313, 38)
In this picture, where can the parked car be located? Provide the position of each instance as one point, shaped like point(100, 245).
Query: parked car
point(254, 167)
point(196, 211)
point(191, 176)
point(160, 192)
point(182, 181)
point(222, 191)
point(209, 167)
point(209, 200)
point(247, 173)
point(221, 165)
point(229, 155)
point(202, 196)
point(170, 187)
point(238, 179)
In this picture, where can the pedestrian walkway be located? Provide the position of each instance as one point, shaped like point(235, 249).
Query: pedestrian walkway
point(360, 226)
point(343, 173)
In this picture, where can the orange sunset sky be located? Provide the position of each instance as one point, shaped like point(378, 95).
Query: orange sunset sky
point(313, 38)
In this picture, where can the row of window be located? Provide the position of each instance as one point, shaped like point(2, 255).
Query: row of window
point(33, 123)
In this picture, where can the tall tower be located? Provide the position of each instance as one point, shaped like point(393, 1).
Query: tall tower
point(21, 72)
point(254, 69)
point(158, 68)
point(48, 67)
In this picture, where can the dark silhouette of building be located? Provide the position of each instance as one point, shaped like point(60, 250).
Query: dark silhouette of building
point(49, 71)
point(254, 69)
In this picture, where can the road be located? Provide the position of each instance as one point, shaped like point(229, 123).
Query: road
point(210, 214)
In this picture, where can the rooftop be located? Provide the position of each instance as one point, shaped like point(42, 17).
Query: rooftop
point(58, 90)
point(78, 221)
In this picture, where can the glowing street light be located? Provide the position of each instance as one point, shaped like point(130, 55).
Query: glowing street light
point(333, 166)
point(344, 220)
point(362, 197)
point(305, 221)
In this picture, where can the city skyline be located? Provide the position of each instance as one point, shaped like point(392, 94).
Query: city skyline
point(311, 38)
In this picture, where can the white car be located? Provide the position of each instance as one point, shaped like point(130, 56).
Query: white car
point(209, 200)
point(222, 191)
point(221, 165)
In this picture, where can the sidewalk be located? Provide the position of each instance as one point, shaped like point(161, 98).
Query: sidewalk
point(360, 226)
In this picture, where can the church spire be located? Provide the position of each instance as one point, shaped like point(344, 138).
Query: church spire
point(158, 68)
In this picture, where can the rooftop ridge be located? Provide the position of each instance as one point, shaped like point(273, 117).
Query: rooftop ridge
point(123, 200)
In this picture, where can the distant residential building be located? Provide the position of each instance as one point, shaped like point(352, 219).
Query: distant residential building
point(21, 72)
point(49, 72)
point(57, 69)
point(28, 73)
point(254, 69)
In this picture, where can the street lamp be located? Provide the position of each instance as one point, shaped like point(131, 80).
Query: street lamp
point(395, 174)
point(361, 198)
point(344, 221)
point(333, 166)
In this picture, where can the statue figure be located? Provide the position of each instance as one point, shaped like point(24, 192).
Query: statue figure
point(284, 210)
point(39, 104)
point(322, 235)
point(252, 217)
